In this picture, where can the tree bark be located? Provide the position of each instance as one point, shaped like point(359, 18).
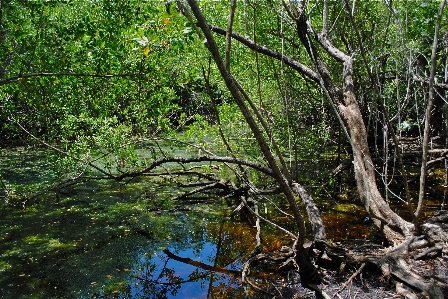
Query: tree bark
point(307, 270)
point(394, 227)
point(426, 133)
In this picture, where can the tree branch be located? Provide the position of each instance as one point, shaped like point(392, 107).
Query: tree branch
point(426, 131)
point(229, 33)
point(302, 69)
point(157, 163)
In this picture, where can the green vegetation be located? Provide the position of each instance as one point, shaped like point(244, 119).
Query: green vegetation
point(144, 104)
point(90, 242)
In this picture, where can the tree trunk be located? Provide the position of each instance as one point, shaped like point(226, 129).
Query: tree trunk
point(346, 105)
point(307, 270)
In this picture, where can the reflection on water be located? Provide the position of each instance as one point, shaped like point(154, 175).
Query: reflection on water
point(103, 239)
point(160, 276)
point(203, 266)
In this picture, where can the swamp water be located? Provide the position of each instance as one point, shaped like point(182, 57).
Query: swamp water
point(103, 239)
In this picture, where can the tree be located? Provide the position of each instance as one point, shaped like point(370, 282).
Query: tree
point(91, 79)
point(344, 101)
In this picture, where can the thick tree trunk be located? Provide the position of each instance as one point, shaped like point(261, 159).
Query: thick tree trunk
point(394, 227)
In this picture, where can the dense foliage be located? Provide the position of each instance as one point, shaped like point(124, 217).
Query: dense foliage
point(101, 72)
point(98, 81)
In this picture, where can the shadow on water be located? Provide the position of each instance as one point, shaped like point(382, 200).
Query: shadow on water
point(103, 239)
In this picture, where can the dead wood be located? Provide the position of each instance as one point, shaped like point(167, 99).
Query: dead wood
point(393, 264)
point(429, 253)
point(208, 186)
point(352, 277)
point(312, 212)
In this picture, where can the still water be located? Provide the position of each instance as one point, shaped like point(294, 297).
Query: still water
point(104, 239)
point(107, 239)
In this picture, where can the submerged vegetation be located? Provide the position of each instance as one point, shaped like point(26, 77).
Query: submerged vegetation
point(264, 132)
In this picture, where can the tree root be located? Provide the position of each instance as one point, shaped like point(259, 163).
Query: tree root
point(429, 253)
point(405, 291)
point(392, 263)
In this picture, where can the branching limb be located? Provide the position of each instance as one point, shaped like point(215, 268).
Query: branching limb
point(302, 69)
point(220, 184)
point(185, 161)
point(426, 133)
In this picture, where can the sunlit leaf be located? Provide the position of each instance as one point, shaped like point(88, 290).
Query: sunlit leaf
point(186, 30)
point(143, 41)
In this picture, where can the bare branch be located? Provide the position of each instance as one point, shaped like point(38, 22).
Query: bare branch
point(184, 161)
point(324, 31)
point(229, 33)
point(426, 81)
point(312, 212)
point(302, 69)
point(220, 184)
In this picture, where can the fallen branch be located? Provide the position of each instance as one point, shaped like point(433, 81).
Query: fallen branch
point(165, 160)
point(312, 212)
point(219, 184)
point(352, 277)
point(426, 253)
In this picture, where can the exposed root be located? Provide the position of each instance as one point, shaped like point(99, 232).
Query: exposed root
point(405, 291)
point(392, 264)
point(429, 253)
point(391, 261)
point(395, 263)
point(318, 291)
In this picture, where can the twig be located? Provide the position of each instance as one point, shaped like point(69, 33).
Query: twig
point(352, 277)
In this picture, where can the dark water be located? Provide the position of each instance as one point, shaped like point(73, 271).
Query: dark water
point(104, 239)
